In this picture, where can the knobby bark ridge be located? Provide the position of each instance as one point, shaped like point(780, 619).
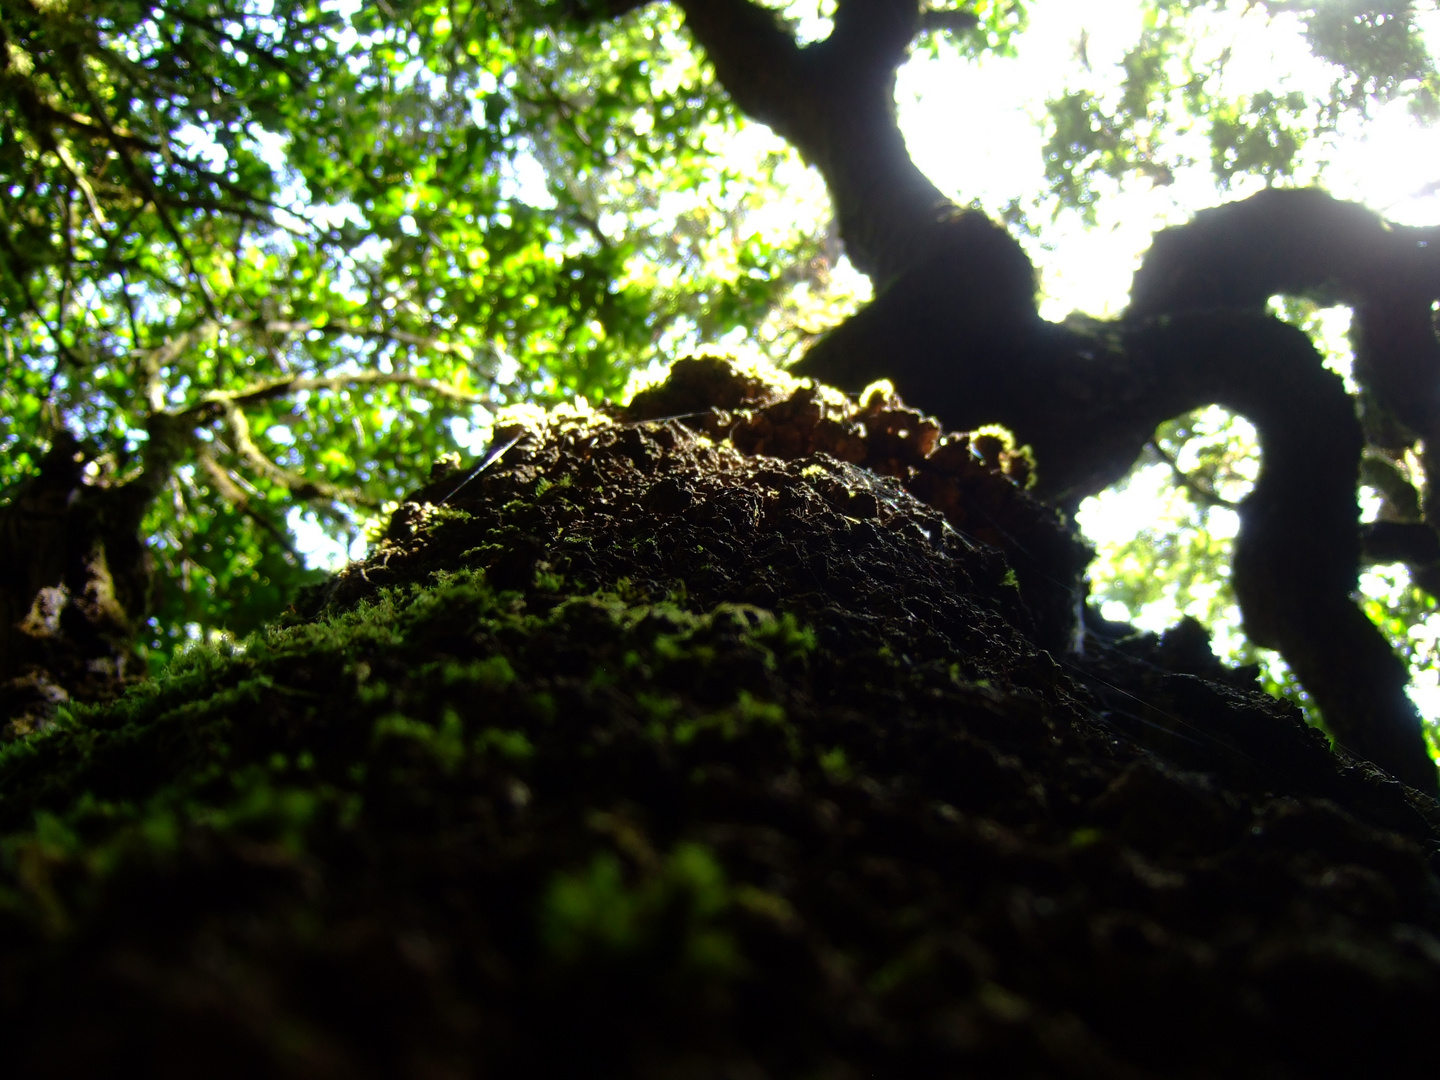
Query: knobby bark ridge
point(74, 575)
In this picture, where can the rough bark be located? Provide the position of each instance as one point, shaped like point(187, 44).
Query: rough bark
point(956, 327)
point(707, 749)
point(1088, 396)
point(76, 576)
point(75, 583)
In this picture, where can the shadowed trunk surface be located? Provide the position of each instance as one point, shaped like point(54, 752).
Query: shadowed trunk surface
point(688, 742)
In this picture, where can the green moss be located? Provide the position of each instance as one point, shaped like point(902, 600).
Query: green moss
point(513, 745)
point(605, 911)
point(834, 763)
point(614, 804)
point(441, 679)
point(438, 517)
point(492, 673)
point(739, 719)
point(444, 741)
point(549, 581)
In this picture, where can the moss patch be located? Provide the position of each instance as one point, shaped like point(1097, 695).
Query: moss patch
point(642, 755)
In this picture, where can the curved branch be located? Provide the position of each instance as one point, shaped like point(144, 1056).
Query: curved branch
point(299, 485)
point(237, 497)
point(1297, 242)
point(269, 389)
point(955, 327)
point(834, 101)
point(1298, 549)
point(224, 483)
point(1088, 397)
point(1201, 491)
point(1307, 243)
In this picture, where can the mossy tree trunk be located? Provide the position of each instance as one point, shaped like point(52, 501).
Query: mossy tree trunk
point(759, 744)
point(955, 325)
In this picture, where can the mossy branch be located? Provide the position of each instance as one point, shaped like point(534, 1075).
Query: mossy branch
point(299, 485)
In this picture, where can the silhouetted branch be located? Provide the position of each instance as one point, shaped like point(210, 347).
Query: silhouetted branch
point(1203, 492)
point(949, 21)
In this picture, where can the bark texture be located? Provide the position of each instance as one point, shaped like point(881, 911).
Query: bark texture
point(956, 327)
point(717, 748)
point(75, 585)
point(1088, 396)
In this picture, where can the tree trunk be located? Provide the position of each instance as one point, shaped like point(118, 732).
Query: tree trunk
point(75, 583)
point(757, 743)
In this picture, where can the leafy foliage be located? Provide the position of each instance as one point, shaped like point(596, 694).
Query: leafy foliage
point(1178, 82)
point(277, 257)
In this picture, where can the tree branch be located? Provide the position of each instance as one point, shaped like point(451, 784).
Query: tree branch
point(1306, 243)
point(1295, 242)
point(302, 487)
point(1410, 542)
point(281, 326)
point(218, 401)
point(835, 103)
point(237, 497)
point(82, 123)
point(153, 361)
point(16, 266)
point(143, 182)
point(948, 21)
point(1298, 549)
point(588, 11)
point(1202, 492)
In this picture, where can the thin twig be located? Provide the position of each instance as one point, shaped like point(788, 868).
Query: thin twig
point(143, 182)
point(269, 389)
point(1202, 491)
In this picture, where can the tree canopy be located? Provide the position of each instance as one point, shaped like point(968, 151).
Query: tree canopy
point(262, 263)
point(262, 257)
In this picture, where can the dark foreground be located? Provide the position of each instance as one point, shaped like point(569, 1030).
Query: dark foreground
point(642, 754)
